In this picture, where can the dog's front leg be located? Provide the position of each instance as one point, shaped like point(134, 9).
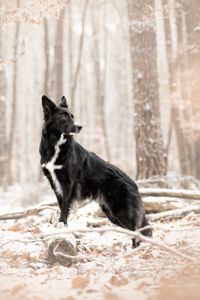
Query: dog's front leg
point(66, 200)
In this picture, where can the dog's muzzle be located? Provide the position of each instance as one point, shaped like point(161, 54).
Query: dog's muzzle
point(77, 128)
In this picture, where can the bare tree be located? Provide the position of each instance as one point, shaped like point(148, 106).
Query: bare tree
point(59, 59)
point(3, 144)
point(78, 65)
point(150, 152)
point(183, 63)
point(46, 53)
point(9, 178)
point(100, 78)
point(70, 46)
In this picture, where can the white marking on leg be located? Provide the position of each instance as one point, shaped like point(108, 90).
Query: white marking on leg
point(51, 167)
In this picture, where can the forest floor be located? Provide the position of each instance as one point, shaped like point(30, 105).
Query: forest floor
point(106, 268)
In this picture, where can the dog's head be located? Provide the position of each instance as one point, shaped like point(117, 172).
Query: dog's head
point(59, 117)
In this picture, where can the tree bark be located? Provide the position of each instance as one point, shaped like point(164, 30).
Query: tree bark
point(70, 46)
point(78, 65)
point(46, 53)
point(9, 178)
point(150, 152)
point(100, 78)
point(3, 140)
point(59, 59)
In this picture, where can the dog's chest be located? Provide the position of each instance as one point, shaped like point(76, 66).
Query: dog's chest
point(52, 167)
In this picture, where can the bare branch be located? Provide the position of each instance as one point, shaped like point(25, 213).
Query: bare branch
point(133, 234)
point(24, 213)
point(78, 66)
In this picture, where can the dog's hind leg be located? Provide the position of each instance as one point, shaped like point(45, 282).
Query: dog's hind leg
point(128, 217)
point(123, 218)
point(110, 216)
point(147, 231)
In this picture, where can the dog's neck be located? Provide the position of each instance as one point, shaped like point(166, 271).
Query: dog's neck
point(52, 138)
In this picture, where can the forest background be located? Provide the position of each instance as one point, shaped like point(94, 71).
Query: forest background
point(129, 69)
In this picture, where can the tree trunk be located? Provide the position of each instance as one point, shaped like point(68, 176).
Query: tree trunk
point(3, 143)
point(78, 65)
point(100, 77)
point(9, 178)
point(181, 88)
point(70, 46)
point(191, 81)
point(58, 84)
point(150, 152)
point(46, 53)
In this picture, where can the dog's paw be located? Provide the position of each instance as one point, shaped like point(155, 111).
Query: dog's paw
point(135, 243)
point(60, 225)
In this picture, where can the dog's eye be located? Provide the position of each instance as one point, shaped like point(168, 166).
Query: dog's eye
point(72, 116)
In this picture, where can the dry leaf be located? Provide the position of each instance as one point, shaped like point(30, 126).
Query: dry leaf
point(118, 281)
point(17, 288)
point(36, 230)
point(111, 296)
point(79, 282)
point(16, 228)
point(69, 298)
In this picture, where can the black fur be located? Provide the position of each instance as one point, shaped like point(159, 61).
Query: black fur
point(85, 175)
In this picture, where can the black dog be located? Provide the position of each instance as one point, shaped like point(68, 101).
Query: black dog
point(75, 173)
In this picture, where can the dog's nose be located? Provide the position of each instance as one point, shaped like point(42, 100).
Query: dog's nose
point(78, 127)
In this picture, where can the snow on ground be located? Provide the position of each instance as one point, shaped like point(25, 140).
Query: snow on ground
point(108, 269)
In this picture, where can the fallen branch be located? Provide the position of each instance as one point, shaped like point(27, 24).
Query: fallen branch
point(24, 213)
point(154, 205)
point(184, 194)
point(156, 192)
point(150, 205)
point(173, 214)
point(133, 234)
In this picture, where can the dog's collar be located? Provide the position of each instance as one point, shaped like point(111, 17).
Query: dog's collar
point(69, 133)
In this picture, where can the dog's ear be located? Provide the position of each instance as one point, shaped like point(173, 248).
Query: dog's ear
point(63, 102)
point(48, 107)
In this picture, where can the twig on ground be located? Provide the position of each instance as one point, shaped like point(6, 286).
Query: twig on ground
point(77, 257)
point(24, 213)
point(132, 234)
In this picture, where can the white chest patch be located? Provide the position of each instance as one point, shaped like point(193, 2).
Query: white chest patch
point(51, 167)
